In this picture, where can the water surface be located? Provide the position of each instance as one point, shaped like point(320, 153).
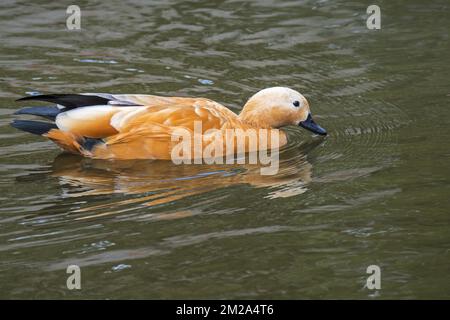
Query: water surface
point(374, 191)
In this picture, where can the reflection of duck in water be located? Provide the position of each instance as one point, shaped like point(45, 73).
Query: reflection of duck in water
point(154, 182)
point(105, 126)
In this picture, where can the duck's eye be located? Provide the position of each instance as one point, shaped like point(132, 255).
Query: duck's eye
point(296, 103)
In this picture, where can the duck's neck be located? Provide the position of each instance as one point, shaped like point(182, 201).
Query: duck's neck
point(253, 117)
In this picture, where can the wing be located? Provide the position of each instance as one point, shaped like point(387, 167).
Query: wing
point(128, 111)
point(92, 121)
point(147, 132)
point(86, 115)
point(180, 112)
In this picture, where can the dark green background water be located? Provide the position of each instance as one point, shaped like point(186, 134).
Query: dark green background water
point(375, 191)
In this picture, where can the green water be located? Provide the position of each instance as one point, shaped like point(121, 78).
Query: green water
point(374, 191)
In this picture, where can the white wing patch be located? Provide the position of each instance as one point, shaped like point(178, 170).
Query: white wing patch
point(66, 120)
point(124, 115)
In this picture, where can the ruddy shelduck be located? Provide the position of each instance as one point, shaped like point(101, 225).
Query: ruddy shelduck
point(133, 126)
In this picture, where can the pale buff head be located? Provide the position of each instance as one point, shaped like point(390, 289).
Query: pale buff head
point(278, 107)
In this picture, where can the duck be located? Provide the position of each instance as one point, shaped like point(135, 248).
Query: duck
point(142, 126)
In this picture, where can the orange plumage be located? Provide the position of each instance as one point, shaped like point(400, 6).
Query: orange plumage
point(143, 126)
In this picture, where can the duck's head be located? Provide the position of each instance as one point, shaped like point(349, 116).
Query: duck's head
point(278, 107)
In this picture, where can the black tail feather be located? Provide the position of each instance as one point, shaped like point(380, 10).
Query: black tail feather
point(89, 143)
point(35, 127)
point(70, 101)
point(46, 112)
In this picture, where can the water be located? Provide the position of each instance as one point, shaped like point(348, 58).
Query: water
point(374, 191)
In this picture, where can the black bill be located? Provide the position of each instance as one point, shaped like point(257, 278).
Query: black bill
point(310, 125)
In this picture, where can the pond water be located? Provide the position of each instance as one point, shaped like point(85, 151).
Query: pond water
point(375, 191)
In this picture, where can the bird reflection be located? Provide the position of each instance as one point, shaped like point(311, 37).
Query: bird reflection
point(146, 183)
